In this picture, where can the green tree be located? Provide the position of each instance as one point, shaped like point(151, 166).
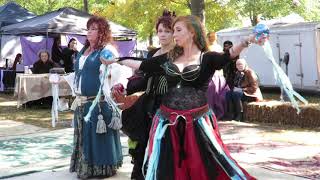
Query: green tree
point(269, 9)
point(197, 9)
point(310, 10)
point(85, 6)
point(219, 16)
point(141, 15)
point(40, 7)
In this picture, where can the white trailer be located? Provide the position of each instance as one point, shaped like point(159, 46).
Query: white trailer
point(301, 43)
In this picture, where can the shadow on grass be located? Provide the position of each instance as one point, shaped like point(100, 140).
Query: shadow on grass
point(36, 116)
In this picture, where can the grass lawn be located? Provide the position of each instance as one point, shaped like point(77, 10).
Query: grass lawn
point(42, 117)
point(35, 116)
point(269, 95)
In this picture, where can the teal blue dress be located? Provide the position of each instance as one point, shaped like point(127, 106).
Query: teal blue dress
point(94, 155)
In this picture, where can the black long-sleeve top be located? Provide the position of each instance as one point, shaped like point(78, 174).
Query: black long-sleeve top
point(186, 89)
point(40, 67)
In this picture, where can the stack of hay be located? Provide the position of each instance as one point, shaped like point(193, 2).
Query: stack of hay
point(283, 113)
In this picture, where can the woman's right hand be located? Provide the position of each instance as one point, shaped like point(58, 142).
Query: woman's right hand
point(118, 88)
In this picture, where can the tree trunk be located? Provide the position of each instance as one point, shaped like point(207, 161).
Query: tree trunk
point(254, 20)
point(150, 39)
point(85, 6)
point(197, 9)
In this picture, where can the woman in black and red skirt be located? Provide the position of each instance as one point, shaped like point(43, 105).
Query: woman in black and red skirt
point(184, 142)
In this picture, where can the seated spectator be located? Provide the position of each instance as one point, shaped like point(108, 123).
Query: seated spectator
point(69, 54)
point(44, 64)
point(17, 60)
point(246, 89)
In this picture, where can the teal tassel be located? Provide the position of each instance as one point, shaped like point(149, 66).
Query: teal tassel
point(101, 125)
point(115, 123)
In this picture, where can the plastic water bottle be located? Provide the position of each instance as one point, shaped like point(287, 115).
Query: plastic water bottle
point(26, 69)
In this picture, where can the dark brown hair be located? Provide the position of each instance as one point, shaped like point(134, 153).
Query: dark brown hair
point(43, 51)
point(166, 20)
point(16, 60)
point(104, 31)
point(72, 39)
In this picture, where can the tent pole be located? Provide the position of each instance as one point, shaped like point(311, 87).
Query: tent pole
point(47, 40)
point(136, 46)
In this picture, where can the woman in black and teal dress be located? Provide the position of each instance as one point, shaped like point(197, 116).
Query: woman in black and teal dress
point(95, 153)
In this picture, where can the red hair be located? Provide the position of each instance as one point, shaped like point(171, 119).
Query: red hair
point(104, 31)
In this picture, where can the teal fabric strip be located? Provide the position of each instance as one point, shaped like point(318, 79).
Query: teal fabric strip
point(208, 132)
point(282, 79)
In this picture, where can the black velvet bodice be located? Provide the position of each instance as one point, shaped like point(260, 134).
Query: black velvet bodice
point(186, 89)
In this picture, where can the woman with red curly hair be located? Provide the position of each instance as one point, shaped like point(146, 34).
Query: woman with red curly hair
point(97, 151)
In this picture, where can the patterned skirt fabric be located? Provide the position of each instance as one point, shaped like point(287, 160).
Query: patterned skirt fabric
point(186, 145)
point(216, 93)
point(87, 159)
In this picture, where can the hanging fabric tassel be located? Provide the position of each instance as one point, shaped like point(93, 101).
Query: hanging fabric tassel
point(155, 155)
point(55, 102)
point(107, 55)
point(101, 124)
point(116, 122)
point(282, 79)
point(262, 32)
point(237, 173)
point(154, 158)
point(54, 80)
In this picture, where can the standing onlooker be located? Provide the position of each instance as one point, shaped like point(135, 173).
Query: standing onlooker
point(217, 87)
point(56, 52)
point(229, 71)
point(69, 53)
point(212, 42)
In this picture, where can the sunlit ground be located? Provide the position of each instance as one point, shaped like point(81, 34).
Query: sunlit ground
point(36, 116)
